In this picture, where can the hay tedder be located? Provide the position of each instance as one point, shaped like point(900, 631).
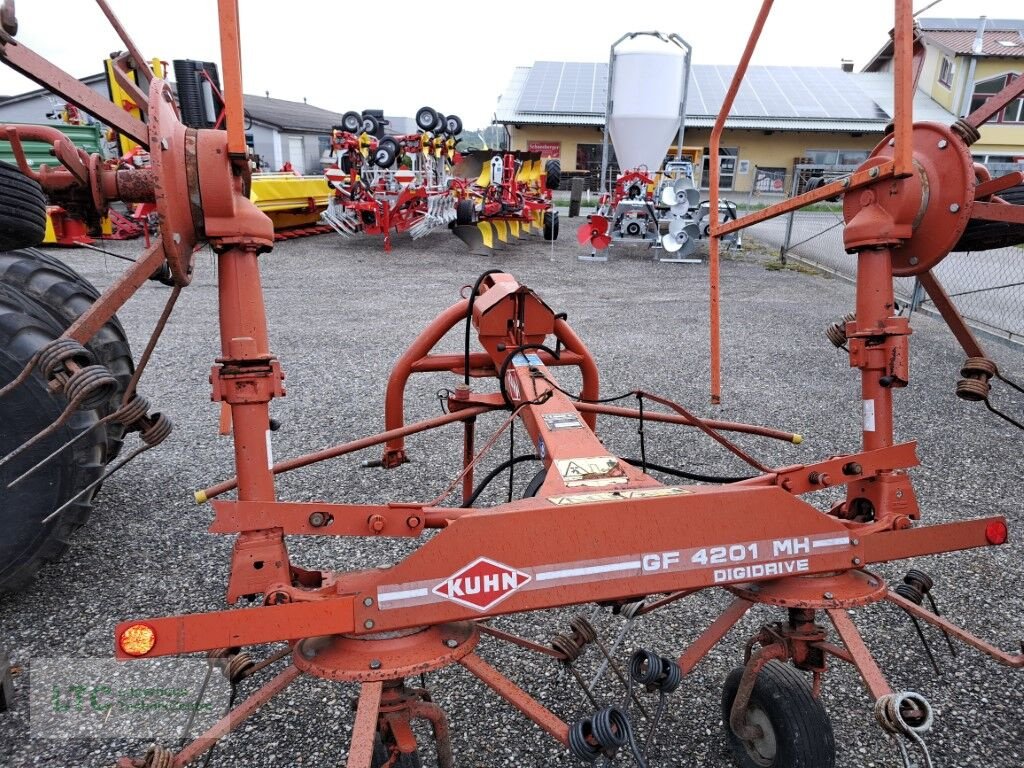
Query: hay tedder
point(564, 543)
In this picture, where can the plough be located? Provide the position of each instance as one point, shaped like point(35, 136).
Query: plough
point(502, 196)
point(564, 542)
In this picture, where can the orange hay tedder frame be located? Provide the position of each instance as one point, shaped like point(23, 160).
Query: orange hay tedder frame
point(565, 545)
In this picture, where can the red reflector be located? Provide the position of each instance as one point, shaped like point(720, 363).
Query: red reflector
point(995, 532)
point(137, 640)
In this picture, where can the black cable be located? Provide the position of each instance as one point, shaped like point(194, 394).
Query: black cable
point(493, 474)
point(503, 369)
point(511, 457)
point(469, 315)
point(581, 399)
point(640, 431)
point(687, 475)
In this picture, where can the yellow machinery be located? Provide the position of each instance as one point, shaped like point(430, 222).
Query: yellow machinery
point(290, 200)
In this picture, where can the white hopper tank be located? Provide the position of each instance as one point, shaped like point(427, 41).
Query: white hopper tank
point(647, 89)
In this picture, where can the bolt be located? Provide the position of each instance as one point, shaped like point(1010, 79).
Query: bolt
point(828, 595)
point(368, 601)
point(368, 623)
point(954, 207)
point(855, 542)
point(892, 142)
point(164, 144)
point(413, 522)
point(452, 643)
point(846, 182)
point(318, 519)
point(913, 259)
point(899, 494)
point(375, 664)
point(377, 523)
point(787, 484)
point(856, 561)
point(852, 468)
point(873, 172)
point(819, 478)
point(943, 144)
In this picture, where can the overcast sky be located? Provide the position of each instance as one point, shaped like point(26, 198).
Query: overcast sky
point(398, 55)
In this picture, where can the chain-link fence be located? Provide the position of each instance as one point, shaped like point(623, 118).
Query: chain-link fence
point(987, 286)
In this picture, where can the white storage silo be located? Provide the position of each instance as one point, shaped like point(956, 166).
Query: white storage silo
point(647, 88)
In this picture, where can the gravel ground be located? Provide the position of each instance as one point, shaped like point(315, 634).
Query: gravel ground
point(342, 311)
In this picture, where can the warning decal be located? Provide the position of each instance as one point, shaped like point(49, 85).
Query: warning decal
point(593, 471)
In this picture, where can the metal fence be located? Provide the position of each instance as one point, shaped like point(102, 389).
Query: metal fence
point(987, 286)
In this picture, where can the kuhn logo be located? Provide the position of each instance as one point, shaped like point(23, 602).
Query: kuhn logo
point(482, 584)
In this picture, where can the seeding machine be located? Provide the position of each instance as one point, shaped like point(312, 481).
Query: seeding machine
point(563, 544)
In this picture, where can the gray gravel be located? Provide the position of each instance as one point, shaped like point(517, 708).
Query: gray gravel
point(342, 311)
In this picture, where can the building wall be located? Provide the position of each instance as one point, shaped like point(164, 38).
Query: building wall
point(568, 136)
point(33, 110)
point(777, 150)
point(995, 135)
point(264, 145)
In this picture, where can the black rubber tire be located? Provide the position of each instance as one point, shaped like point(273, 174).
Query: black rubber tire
point(452, 125)
point(369, 125)
point(385, 155)
point(465, 212)
point(553, 168)
point(65, 295)
point(986, 235)
point(427, 118)
point(22, 209)
point(782, 699)
point(551, 225)
point(380, 757)
point(351, 122)
point(25, 544)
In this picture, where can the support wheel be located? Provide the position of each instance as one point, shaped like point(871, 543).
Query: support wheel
point(797, 732)
point(381, 755)
point(551, 225)
point(22, 209)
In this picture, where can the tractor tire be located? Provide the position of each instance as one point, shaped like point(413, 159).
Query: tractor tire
point(551, 225)
point(797, 729)
point(22, 209)
point(427, 118)
point(351, 122)
point(465, 212)
point(986, 235)
point(64, 295)
point(553, 168)
point(575, 197)
point(26, 543)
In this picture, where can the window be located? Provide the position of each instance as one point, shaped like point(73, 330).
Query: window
point(946, 71)
point(986, 89)
point(836, 156)
point(727, 161)
point(588, 158)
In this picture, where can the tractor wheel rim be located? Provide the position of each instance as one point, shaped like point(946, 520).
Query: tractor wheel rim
point(762, 751)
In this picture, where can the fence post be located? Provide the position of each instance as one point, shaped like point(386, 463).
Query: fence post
point(789, 219)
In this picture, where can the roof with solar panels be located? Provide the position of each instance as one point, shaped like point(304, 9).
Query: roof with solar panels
point(771, 98)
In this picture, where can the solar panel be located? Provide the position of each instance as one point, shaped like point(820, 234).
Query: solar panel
point(555, 86)
point(767, 91)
